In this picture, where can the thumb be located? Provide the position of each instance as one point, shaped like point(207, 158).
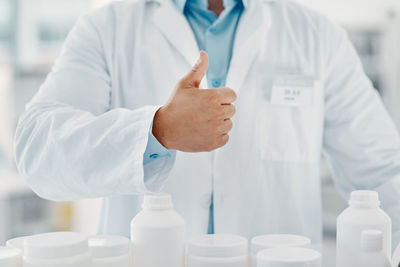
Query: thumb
point(197, 73)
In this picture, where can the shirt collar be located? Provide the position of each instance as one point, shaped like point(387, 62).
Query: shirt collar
point(180, 4)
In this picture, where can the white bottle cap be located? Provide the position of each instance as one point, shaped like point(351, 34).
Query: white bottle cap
point(364, 199)
point(218, 245)
point(108, 246)
point(273, 241)
point(372, 240)
point(17, 243)
point(56, 245)
point(288, 257)
point(158, 201)
point(10, 257)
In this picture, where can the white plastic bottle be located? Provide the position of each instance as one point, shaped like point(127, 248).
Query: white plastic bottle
point(10, 257)
point(372, 254)
point(363, 214)
point(158, 234)
point(219, 250)
point(289, 257)
point(262, 242)
point(62, 249)
point(110, 251)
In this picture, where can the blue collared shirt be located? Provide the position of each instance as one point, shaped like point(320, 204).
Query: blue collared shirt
point(216, 36)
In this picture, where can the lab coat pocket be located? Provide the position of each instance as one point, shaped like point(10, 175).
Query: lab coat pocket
point(289, 124)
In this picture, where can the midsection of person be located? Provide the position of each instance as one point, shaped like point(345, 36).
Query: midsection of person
point(128, 71)
point(252, 193)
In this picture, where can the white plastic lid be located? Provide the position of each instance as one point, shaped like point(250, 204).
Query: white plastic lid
point(218, 245)
point(108, 246)
point(273, 241)
point(10, 257)
point(56, 245)
point(372, 240)
point(159, 201)
point(364, 199)
point(288, 256)
point(17, 243)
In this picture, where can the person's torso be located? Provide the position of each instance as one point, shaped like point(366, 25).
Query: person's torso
point(266, 179)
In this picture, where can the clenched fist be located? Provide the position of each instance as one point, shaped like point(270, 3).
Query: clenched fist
point(195, 120)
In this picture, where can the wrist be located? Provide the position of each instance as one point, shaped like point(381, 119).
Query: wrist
point(160, 128)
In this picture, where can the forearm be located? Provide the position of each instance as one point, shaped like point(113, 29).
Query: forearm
point(65, 153)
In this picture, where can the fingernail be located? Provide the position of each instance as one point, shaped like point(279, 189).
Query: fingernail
point(198, 62)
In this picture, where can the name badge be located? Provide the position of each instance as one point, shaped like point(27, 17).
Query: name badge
point(293, 91)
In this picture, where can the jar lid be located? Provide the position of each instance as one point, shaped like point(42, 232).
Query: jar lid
point(288, 256)
point(10, 257)
point(103, 246)
point(218, 245)
point(17, 243)
point(272, 241)
point(56, 245)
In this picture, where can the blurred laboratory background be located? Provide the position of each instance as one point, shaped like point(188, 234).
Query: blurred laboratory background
point(31, 35)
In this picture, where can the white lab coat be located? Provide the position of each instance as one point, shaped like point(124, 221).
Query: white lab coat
point(85, 132)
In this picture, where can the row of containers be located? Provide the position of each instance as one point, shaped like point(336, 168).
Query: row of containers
point(69, 249)
point(158, 240)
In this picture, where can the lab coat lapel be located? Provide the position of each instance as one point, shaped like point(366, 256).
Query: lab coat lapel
point(250, 38)
point(177, 30)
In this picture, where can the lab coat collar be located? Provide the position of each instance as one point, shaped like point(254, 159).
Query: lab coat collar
point(250, 40)
point(176, 29)
point(250, 36)
point(180, 4)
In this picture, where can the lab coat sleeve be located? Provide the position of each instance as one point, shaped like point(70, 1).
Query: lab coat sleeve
point(154, 149)
point(70, 144)
point(156, 160)
point(362, 144)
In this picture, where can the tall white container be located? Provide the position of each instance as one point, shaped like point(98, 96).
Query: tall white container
point(262, 242)
point(110, 251)
point(363, 214)
point(158, 234)
point(63, 249)
point(371, 254)
point(10, 257)
point(289, 257)
point(218, 250)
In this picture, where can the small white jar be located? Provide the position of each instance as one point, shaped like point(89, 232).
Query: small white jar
point(62, 249)
point(288, 257)
point(219, 250)
point(10, 257)
point(110, 251)
point(17, 243)
point(262, 242)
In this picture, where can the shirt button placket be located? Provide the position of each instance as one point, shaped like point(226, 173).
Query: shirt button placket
point(216, 83)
